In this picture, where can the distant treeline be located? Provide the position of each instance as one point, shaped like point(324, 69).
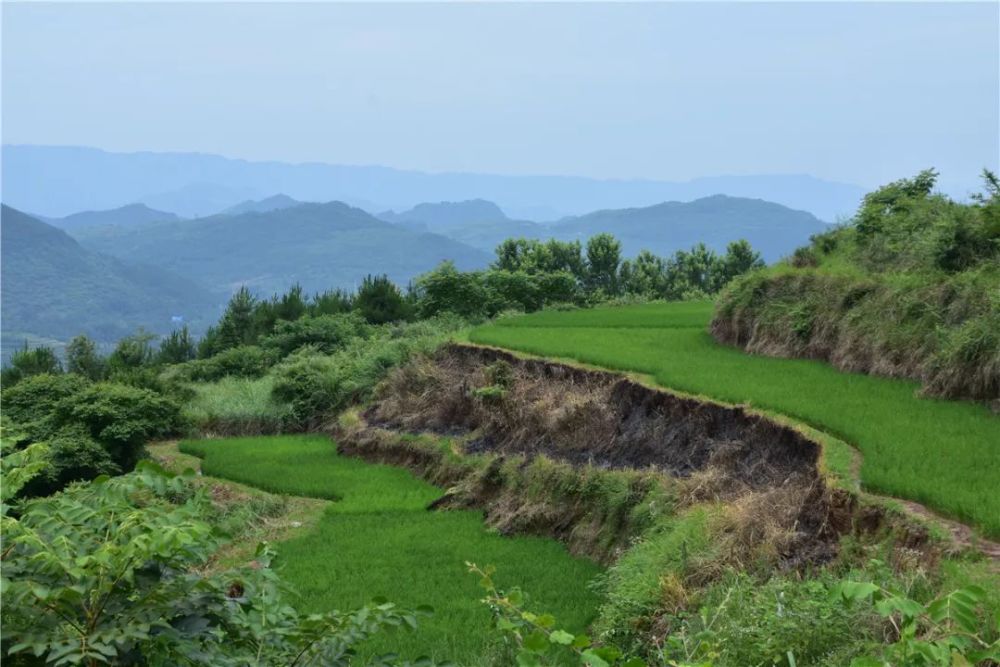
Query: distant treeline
point(527, 275)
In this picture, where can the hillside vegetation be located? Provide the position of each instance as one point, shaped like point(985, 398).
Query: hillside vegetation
point(53, 287)
point(316, 245)
point(940, 453)
point(910, 288)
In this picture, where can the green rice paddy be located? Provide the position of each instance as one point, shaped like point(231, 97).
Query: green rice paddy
point(945, 454)
point(378, 539)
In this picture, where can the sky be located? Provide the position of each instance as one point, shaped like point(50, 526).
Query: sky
point(857, 92)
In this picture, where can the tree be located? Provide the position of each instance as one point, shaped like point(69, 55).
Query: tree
point(446, 289)
point(177, 348)
point(604, 254)
point(379, 301)
point(83, 359)
point(132, 352)
point(237, 324)
point(643, 276)
point(740, 258)
point(30, 361)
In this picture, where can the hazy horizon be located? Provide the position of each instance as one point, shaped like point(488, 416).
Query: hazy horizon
point(857, 93)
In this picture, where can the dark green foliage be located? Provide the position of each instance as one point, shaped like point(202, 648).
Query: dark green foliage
point(245, 361)
point(331, 302)
point(120, 417)
point(83, 358)
point(604, 255)
point(132, 352)
point(448, 290)
point(534, 256)
point(237, 324)
point(177, 348)
point(27, 362)
point(325, 333)
point(73, 456)
point(315, 386)
point(32, 402)
point(379, 301)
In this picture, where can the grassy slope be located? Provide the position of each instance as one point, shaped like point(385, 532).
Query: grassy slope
point(378, 539)
point(942, 453)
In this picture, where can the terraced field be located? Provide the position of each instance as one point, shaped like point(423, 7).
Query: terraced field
point(945, 454)
point(378, 539)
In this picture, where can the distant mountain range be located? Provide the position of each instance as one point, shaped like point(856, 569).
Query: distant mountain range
point(320, 246)
point(53, 287)
point(129, 215)
point(57, 181)
point(774, 230)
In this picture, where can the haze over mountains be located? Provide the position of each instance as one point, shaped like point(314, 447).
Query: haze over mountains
point(134, 264)
point(57, 181)
point(53, 287)
point(320, 246)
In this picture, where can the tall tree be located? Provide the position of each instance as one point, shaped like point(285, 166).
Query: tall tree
point(379, 301)
point(177, 348)
point(83, 359)
point(604, 255)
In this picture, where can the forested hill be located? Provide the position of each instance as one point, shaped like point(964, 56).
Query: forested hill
point(772, 229)
point(126, 216)
point(319, 246)
point(51, 286)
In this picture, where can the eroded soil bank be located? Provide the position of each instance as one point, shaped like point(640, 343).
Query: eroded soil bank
point(514, 412)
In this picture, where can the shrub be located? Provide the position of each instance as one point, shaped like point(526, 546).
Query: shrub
point(325, 333)
point(244, 361)
point(32, 401)
point(111, 573)
point(120, 417)
point(73, 457)
point(310, 384)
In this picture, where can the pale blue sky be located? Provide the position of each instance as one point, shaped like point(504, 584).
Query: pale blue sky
point(863, 93)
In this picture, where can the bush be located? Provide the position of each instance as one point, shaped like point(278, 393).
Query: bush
point(325, 333)
point(244, 361)
point(73, 457)
point(310, 385)
point(120, 417)
point(32, 401)
point(314, 387)
point(113, 573)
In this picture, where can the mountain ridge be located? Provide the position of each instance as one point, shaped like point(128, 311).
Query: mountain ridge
point(89, 178)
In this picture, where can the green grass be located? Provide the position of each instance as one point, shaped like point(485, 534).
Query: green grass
point(945, 454)
point(378, 539)
point(233, 401)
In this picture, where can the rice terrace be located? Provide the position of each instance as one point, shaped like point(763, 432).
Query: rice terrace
point(500, 334)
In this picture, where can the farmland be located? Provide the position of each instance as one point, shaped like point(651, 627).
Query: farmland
point(945, 454)
point(376, 539)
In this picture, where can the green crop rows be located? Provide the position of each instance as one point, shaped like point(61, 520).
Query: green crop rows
point(945, 454)
point(378, 539)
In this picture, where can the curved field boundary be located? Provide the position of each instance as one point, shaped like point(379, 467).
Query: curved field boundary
point(945, 454)
point(377, 538)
